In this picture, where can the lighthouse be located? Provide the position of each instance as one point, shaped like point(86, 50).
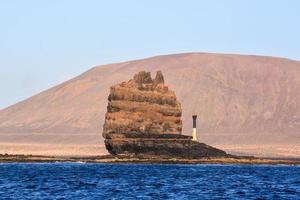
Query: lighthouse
point(194, 128)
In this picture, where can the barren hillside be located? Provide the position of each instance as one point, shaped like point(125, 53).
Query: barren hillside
point(243, 103)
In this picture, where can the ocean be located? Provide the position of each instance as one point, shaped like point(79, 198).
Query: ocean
point(147, 181)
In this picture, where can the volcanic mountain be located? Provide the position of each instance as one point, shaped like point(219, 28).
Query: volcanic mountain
point(245, 104)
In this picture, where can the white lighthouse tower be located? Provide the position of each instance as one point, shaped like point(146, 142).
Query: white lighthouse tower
point(194, 128)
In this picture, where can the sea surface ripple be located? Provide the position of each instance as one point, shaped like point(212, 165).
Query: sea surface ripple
point(147, 181)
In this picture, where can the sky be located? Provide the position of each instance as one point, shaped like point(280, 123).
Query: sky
point(46, 42)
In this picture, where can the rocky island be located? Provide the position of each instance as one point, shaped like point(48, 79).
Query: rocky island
point(143, 125)
point(143, 120)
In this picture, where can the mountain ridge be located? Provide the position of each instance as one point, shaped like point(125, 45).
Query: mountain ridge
point(239, 98)
point(151, 57)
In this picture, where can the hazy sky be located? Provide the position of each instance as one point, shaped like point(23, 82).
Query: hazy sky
point(43, 43)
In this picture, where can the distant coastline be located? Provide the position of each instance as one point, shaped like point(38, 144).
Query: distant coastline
point(6, 158)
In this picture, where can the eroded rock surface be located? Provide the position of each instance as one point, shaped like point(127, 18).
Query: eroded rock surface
point(144, 119)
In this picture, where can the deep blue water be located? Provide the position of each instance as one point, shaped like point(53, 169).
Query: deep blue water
point(136, 181)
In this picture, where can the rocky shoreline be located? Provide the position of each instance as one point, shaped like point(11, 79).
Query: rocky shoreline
point(5, 158)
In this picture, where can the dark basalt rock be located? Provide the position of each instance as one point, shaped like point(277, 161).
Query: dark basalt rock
point(162, 145)
point(143, 119)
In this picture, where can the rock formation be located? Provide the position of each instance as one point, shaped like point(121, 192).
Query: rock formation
point(144, 119)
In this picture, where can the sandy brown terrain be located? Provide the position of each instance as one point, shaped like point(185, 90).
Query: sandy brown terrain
point(52, 144)
point(244, 103)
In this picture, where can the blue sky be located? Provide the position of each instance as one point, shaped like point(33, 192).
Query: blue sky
point(43, 43)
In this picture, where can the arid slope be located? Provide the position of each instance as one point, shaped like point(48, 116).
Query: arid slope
point(244, 103)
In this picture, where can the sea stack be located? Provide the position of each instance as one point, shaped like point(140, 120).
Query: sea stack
point(143, 119)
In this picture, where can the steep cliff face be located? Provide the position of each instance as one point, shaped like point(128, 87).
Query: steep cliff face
point(144, 119)
point(142, 105)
